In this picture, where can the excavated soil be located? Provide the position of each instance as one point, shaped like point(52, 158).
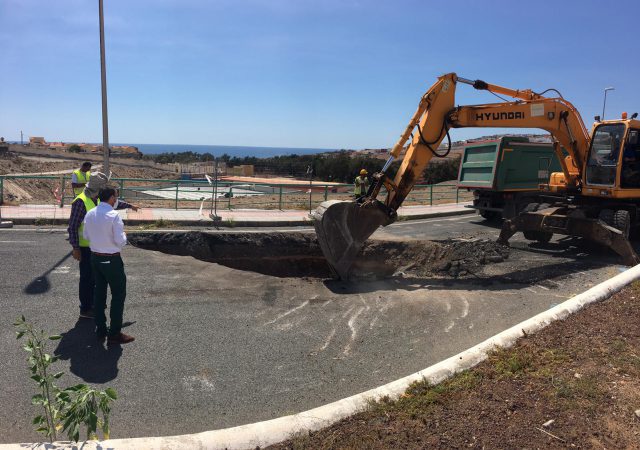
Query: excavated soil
point(299, 254)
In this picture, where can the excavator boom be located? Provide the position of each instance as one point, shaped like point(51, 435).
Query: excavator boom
point(343, 227)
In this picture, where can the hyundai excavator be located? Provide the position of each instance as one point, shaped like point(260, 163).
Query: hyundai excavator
point(596, 196)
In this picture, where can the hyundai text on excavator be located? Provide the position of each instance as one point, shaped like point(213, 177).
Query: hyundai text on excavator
point(596, 196)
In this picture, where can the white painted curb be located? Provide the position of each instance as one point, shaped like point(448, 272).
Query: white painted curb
point(276, 430)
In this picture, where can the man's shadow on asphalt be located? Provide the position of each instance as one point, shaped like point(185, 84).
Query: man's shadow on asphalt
point(90, 359)
point(41, 284)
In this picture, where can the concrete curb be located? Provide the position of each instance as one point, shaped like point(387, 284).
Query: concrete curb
point(276, 430)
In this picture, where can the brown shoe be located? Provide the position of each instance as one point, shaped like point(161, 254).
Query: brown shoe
point(120, 338)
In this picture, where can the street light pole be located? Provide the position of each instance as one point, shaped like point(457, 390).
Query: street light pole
point(604, 104)
point(103, 76)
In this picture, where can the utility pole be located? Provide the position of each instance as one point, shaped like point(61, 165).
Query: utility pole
point(604, 104)
point(310, 173)
point(21, 143)
point(103, 77)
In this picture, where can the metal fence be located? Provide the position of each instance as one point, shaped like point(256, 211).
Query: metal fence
point(179, 194)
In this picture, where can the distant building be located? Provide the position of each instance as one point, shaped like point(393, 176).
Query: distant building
point(246, 170)
point(37, 141)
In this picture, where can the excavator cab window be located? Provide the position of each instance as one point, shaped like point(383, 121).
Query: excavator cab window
point(631, 160)
point(604, 154)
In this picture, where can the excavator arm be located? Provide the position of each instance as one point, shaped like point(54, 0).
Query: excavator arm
point(436, 114)
point(343, 227)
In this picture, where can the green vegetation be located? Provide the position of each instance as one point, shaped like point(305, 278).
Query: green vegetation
point(74, 148)
point(65, 409)
point(158, 223)
point(335, 166)
point(421, 395)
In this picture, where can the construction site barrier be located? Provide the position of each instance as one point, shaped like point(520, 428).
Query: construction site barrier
point(188, 194)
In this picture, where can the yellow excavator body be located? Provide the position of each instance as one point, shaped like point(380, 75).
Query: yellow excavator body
point(596, 165)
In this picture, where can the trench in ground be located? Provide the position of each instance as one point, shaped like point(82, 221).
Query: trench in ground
point(299, 254)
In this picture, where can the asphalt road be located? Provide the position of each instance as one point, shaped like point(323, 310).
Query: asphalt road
point(219, 347)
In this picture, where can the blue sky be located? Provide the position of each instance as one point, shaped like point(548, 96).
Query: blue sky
point(322, 74)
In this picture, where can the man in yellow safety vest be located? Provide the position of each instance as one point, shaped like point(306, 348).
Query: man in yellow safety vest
point(83, 203)
point(361, 184)
point(80, 178)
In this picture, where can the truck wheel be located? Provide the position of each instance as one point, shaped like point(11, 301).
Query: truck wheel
point(489, 215)
point(622, 221)
point(538, 236)
point(606, 216)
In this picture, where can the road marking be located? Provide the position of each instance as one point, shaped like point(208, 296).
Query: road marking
point(465, 310)
point(201, 381)
point(306, 302)
point(464, 217)
point(61, 270)
point(354, 331)
point(17, 242)
point(348, 312)
point(542, 287)
point(328, 340)
point(531, 290)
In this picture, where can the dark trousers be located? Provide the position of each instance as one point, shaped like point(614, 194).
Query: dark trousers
point(87, 282)
point(109, 271)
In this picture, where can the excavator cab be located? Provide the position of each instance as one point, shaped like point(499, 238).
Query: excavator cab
point(602, 164)
point(593, 197)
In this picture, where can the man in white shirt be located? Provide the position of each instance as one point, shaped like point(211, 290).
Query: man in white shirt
point(104, 230)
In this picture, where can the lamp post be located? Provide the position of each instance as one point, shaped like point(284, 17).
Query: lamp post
point(103, 78)
point(604, 104)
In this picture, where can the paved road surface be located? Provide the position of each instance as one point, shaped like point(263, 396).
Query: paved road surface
point(218, 347)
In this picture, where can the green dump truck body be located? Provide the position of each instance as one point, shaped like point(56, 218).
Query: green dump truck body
point(505, 174)
point(507, 164)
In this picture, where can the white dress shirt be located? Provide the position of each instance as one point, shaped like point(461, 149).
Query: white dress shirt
point(104, 229)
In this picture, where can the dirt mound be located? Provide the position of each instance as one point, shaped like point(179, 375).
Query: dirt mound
point(299, 254)
point(427, 258)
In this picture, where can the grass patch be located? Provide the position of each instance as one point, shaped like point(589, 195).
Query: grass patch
point(623, 357)
point(421, 395)
point(511, 362)
point(521, 360)
point(635, 288)
point(159, 223)
point(579, 393)
point(40, 221)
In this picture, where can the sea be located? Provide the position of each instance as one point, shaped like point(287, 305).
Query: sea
point(219, 150)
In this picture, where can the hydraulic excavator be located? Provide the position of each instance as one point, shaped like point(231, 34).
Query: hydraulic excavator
point(596, 196)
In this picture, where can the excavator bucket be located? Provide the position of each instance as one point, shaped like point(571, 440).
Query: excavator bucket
point(564, 221)
point(342, 228)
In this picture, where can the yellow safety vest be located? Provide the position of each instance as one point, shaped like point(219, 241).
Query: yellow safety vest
point(89, 205)
point(83, 177)
point(361, 183)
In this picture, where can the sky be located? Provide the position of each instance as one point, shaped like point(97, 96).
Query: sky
point(297, 73)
